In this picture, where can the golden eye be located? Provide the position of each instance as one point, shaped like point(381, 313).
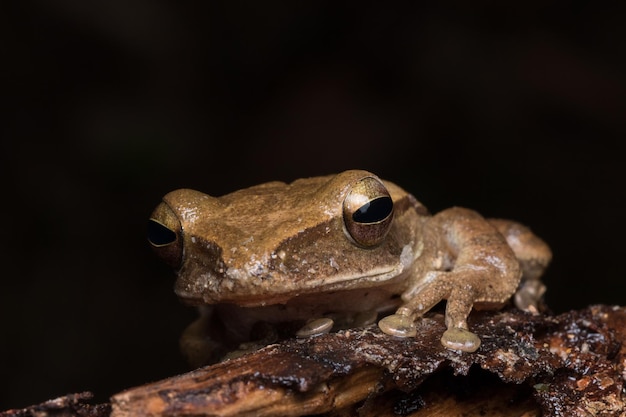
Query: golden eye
point(164, 235)
point(368, 212)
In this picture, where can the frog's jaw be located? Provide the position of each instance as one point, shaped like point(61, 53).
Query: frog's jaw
point(391, 281)
point(263, 295)
point(197, 284)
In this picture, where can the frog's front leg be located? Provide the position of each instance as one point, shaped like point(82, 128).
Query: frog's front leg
point(438, 286)
point(479, 268)
point(196, 343)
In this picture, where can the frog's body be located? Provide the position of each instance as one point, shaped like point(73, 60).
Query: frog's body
point(348, 247)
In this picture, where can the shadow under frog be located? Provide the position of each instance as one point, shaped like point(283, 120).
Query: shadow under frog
point(333, 252)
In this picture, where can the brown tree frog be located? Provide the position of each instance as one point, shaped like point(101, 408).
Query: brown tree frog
point(335, 252)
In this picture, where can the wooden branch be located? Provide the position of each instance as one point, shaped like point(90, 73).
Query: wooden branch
point(567, 365)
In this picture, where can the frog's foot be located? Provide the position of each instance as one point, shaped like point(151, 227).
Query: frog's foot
point(421, 298)
point(457, 338)
point(243, 349)
point(315, 327)
point(197, 347)
point(528, 295)
point(399, 325)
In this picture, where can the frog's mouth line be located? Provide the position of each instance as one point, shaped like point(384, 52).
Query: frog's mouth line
point(374, 278)
point(250, 290)
point(390, 277)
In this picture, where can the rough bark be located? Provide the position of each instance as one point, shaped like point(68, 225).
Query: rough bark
point(567, 365)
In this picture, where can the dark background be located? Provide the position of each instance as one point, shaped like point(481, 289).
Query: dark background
point(514, 111)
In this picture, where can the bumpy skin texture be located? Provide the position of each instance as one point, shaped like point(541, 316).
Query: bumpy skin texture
point(475, 263)
point(335, 247)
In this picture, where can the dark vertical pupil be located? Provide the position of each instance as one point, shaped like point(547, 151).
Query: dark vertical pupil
point(374, 211)
point(160, 235)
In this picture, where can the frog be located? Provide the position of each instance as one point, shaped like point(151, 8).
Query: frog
point(334, 252)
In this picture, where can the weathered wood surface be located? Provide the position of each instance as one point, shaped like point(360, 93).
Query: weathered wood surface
point(567, 365)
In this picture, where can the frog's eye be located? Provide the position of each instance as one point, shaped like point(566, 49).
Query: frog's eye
point(164, 235)
point(368, 212)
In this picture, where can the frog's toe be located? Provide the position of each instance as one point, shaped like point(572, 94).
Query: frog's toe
point(460, 339)
point(201, 351)
point(398, 325)
point(528, 296)
point(315, 327)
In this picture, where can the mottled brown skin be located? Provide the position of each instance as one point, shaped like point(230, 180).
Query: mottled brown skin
point(281, 252)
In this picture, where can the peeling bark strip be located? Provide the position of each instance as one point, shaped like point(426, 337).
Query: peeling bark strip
point(567, 365)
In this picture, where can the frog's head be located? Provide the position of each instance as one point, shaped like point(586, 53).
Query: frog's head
point(270, 243)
